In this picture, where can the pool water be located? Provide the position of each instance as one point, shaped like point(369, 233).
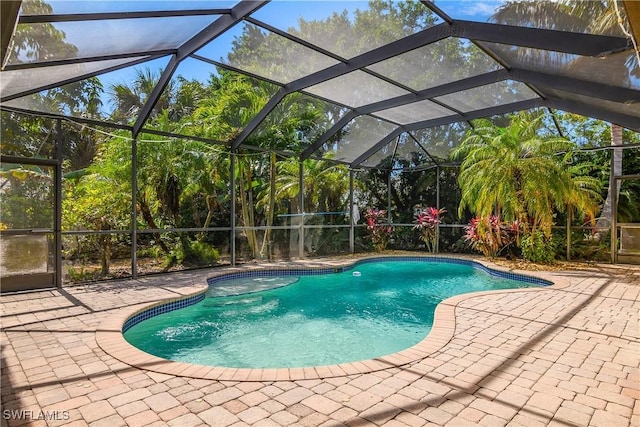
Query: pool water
point(371, 310)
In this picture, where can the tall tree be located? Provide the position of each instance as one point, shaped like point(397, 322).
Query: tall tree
point(503, 168)
point(598, 17)
point(38, 42)
point(235, 100)
point(130, 97)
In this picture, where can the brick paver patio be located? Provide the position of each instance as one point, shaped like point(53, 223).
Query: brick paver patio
point(567, 356)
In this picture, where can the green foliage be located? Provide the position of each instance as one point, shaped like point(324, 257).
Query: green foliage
point(378, 228)
point(39, 42)
point(537, 247)
point(82, 274)
point(203, 254)
point(629, 201)
point(427, 224)
point(234, 101)
point(590, 246)
point(100, 197)
point(27, 136)
point(186, 183)
point(503, 168)
point(26, 196)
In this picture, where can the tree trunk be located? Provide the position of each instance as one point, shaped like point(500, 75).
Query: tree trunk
point(271, 207)
point(148, 218)
point(105, 255)
point(616, 139)
point(210, 207)
point(294, 232)
point(185, 242)
point(246, 216)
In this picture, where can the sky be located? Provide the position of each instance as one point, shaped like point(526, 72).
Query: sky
point(469, 9)
point(279, 13)
point(282, 14)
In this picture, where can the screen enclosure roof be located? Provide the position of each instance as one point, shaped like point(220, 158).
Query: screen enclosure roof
point(397, 90)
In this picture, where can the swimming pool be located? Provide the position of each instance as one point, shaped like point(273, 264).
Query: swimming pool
point(307, 318)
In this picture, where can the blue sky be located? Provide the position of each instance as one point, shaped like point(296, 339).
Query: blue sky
point(469, 9)
point(282, 14)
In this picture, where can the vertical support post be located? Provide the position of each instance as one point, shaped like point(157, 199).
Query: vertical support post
point(232, 210)
point(614, 219)
point(393, 156)
point(351, 211)
point(301, 208)
point(437, 207)
point(568, 233)
point(57, 200)
point(438, 187)
point(134, 203)
point(389, 197)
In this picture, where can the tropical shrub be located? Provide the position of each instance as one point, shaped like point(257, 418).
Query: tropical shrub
point(203, 253)
point(515, 172)
point(378, 228)
point(427, 224)
point(492, 236)
point(590, 246)
point(193, 253)
point(485, 235)
point(537, 247)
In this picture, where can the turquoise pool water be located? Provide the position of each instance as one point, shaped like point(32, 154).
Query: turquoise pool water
point(368, 311)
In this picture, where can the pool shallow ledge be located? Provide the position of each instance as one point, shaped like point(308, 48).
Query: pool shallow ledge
point(111, 339)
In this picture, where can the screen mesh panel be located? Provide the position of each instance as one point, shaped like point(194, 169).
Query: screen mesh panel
point(17, 81)
point(415, 112)
point(271, 56)
point(56, 7)
point(440, 140)
point(309, 118)
point(435, 64)
point(356, 89)
point(631, 109)
point(618, 69)
point(357, 137)
point(109, 37)
point(344, 27)
point(592, 17)
point(504, 92)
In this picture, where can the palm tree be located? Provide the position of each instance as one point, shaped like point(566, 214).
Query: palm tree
point(130, 98)
point(325, 186)
point(514, 173)
point(284, 128)
point(169, 171)
point(234, 101)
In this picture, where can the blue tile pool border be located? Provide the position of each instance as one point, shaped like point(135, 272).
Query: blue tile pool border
point(194, 299)
point(162, 308)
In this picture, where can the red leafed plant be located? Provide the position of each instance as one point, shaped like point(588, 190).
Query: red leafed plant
point(427, 223)
point(378, 227)
point(490, 235)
